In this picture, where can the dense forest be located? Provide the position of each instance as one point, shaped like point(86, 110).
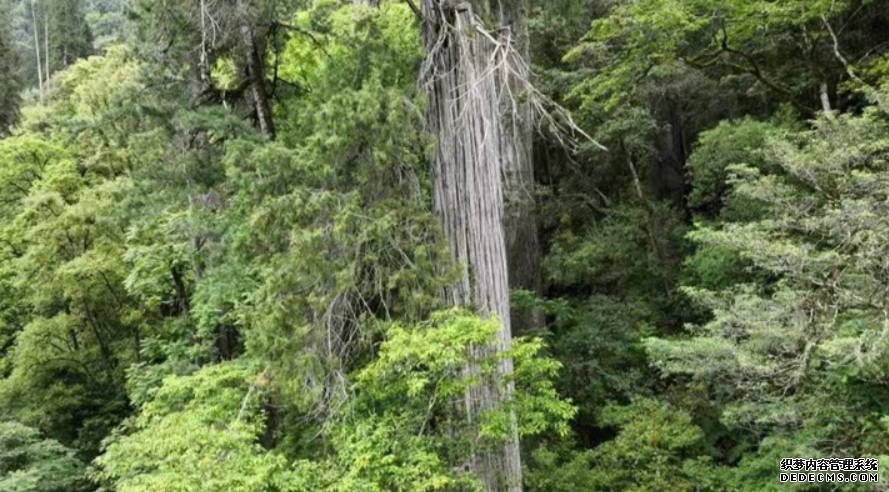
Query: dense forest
point(411, 245)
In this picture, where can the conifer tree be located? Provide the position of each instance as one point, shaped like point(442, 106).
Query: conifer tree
point(9, 83)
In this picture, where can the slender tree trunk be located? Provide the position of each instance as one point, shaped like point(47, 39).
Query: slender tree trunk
point(37, 48)
point(255, 68)
point(200, 83)
point(46, 47)
point(465, 114)
point(204, 63)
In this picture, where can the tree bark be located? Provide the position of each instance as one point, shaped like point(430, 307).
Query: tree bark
point(464, 113)
point(520, 213)
point(46, 47)
point(254, 65)
point(37, 48)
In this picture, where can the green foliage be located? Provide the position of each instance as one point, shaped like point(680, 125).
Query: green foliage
point(428, 363)
point(9, 82)
point(663, 444)
point(332, 220)
point(107, 21)
point(729, 143)
point(69, 322)
point(559, 468)
point(617, 272)
point(651, 38)
point(657, 447)
point(402, 431)
point(399, 430)
point(70, 37)
point(628, 249)
point(719, 150)
point(198, 432)
point(57, 27)
point(595, 340)
point(800, 352)
point(29, 463)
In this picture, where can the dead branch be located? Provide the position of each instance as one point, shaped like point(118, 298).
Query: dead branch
point(868, 89)
point(415, 9)
point(510, 74)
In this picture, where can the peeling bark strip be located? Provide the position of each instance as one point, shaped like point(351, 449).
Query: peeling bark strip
point(465, 73)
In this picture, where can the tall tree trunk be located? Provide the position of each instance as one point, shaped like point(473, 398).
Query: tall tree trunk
point(37, 48)
point(465, 110)
point(46, 47)
point(520, 213)
point(200, 82)
point(255, 69)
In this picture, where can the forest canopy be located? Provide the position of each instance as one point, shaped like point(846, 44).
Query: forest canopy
point(416, 245)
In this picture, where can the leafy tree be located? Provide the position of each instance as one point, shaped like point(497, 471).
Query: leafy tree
point(69, 34)
point(328, 218)
point(400, 430)
point(214, 413)
point(9, 82)
point(49, 35)
point(652, 38)
point(107, 22)
point(657, 447)
point(29, 463)
point(63, 259)
point(794, 359)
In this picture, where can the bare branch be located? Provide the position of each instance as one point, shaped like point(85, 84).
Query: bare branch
point(415, 9)
point(869, 90)
point(839, 55)
point(505, 64)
